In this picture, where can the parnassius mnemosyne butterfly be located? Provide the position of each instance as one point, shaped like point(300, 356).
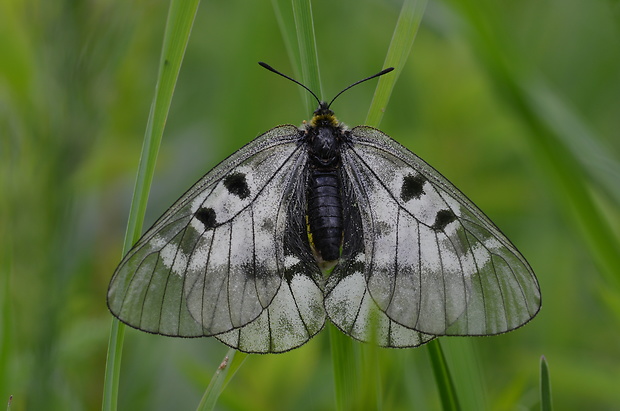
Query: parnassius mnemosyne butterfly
point(241, 256)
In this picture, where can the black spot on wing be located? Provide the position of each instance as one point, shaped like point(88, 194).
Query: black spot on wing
point(289, 272)
point(356, 266)
point(206, 216)
point(412, 187)
point(442, 219)
point(236, 184)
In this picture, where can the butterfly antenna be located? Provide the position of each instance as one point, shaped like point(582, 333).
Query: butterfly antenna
point(382, 72)
point(268, 67)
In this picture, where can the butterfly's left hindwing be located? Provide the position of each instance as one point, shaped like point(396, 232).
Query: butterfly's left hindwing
point(432, 262)
point(296, 313)
point(216, 262)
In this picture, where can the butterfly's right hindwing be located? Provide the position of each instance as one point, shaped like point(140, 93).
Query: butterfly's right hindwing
point(347, 299)
point(216, 259)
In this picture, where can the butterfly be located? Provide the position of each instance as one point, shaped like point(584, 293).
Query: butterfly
point(323, 222)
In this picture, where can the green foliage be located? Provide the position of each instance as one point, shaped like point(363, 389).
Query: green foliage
point(545, 386)
point(443, 379)
point(515, 102)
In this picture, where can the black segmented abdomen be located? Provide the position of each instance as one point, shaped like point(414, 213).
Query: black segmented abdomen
point(325, 213)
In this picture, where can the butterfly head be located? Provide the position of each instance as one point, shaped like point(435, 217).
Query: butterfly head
point(323, 116)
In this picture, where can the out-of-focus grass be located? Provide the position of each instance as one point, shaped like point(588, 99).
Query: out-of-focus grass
point(181, 15)
point(76, 81)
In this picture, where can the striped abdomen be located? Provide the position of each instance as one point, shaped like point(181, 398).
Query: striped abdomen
point(325, 213)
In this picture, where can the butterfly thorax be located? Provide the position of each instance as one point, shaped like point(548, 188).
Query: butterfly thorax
point(323, 116)
point(324, 137)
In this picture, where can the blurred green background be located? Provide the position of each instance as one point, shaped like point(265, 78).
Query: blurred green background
point(517, 103)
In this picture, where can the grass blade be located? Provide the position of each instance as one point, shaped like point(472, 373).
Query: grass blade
point(283, 11)
point(181, 16)
point(545, 386)
point(308, 57)
point(583, 143)
point(447, 390)
point(464, 365)
point(346, 365)
point(400, 47)
point(224, 373)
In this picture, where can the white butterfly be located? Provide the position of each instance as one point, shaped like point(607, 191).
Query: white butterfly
point(240, 255)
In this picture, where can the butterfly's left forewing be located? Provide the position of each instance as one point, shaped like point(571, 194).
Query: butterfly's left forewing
point(216, 262)
point(433, 262)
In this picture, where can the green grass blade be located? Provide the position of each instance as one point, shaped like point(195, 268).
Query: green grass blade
point(224, 373)
point(284, 12)
point(308, 57)
point(400, 47)
point(545, 386)
point(181, 16)
point(113, 366)
point(580, 139)
point(356, 368)
point(464, 366)
point(443, 379)
point(346, 365)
